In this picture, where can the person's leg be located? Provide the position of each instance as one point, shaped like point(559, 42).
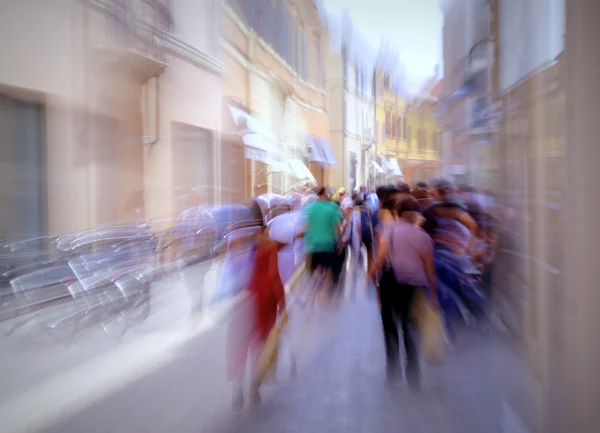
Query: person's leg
point(340, 276)
point(388, 301)
point(240, 334)
point(255, 351)
point(357, 268)
point(314, 282)
point(407, 295)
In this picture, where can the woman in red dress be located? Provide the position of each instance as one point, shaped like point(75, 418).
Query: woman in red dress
point(254, 320)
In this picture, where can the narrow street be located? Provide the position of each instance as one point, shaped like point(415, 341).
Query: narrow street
point(173, 379)
point(345, 389)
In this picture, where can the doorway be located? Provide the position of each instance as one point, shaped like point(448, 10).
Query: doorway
point(22, 169)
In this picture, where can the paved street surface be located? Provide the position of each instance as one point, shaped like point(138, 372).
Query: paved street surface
point(345, 389)
point(168, 376)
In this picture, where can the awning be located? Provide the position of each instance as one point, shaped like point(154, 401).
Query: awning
point(377, 167)
point(385, 164)
point(320, 150)
point(261, 148)
point(395, 167)
point(260, 144)
point(248, 124)
point(300, 170)
point(316, 154)
point(280, 167)
point(327, 151)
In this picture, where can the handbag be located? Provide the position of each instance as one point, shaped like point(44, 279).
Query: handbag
point(431, 329)
point(267, 361)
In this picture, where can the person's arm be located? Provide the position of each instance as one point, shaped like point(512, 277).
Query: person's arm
point(382, 254)
point(339, 225)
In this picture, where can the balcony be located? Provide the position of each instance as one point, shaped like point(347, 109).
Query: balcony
point(133, 34)
point(484, 118)
point(139, 37)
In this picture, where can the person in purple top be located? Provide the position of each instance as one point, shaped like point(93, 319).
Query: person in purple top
point(406, 254)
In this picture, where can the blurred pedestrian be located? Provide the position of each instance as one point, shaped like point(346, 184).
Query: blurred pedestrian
point(323, 233)
point(405, 255)
point(253, 321)
point(348, 248)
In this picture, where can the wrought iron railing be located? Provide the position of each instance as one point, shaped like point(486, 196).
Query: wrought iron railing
point(138, 23)
point(146, 26)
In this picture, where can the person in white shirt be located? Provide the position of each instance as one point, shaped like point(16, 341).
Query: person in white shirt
point(350, 242)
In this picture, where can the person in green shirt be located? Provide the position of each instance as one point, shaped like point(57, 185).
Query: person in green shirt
point(323, 220)
point(322, 235)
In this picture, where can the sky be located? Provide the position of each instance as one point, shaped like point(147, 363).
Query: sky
point(413, 27)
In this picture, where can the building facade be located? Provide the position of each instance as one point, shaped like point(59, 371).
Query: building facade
point(352, 104)
point(389, 163)
point(408, 143)
point(422, 135)
point(454, 110)
point(274, 52)
point(99, 101)
point(513, 94)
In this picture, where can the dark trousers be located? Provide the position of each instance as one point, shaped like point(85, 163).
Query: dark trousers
point(396, 304)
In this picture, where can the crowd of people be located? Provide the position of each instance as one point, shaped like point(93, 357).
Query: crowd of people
point(436, 240)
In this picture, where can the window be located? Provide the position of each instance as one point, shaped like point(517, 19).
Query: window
point(305, 47)
point(405, 128)
point(387, 123)
point(356, 79)
point(283, 34)
point(345, 115)
point(409, 136)
point(298, 52)
point(345, 64)
point(435, 142)
point(291, 42)
point(374, 85)
point(386, 81)
point(362, 80)
point(423, 139)
point(399, 123)
point(363, 121)
point(320, 75)
point(250, 12)
point(271, 23)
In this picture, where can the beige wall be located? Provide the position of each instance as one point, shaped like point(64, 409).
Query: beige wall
point(63, 55)
point(268, 86)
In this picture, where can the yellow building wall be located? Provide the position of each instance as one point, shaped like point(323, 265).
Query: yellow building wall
point(423, 158)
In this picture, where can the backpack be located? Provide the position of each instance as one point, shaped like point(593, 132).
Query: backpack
point(366, 225)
